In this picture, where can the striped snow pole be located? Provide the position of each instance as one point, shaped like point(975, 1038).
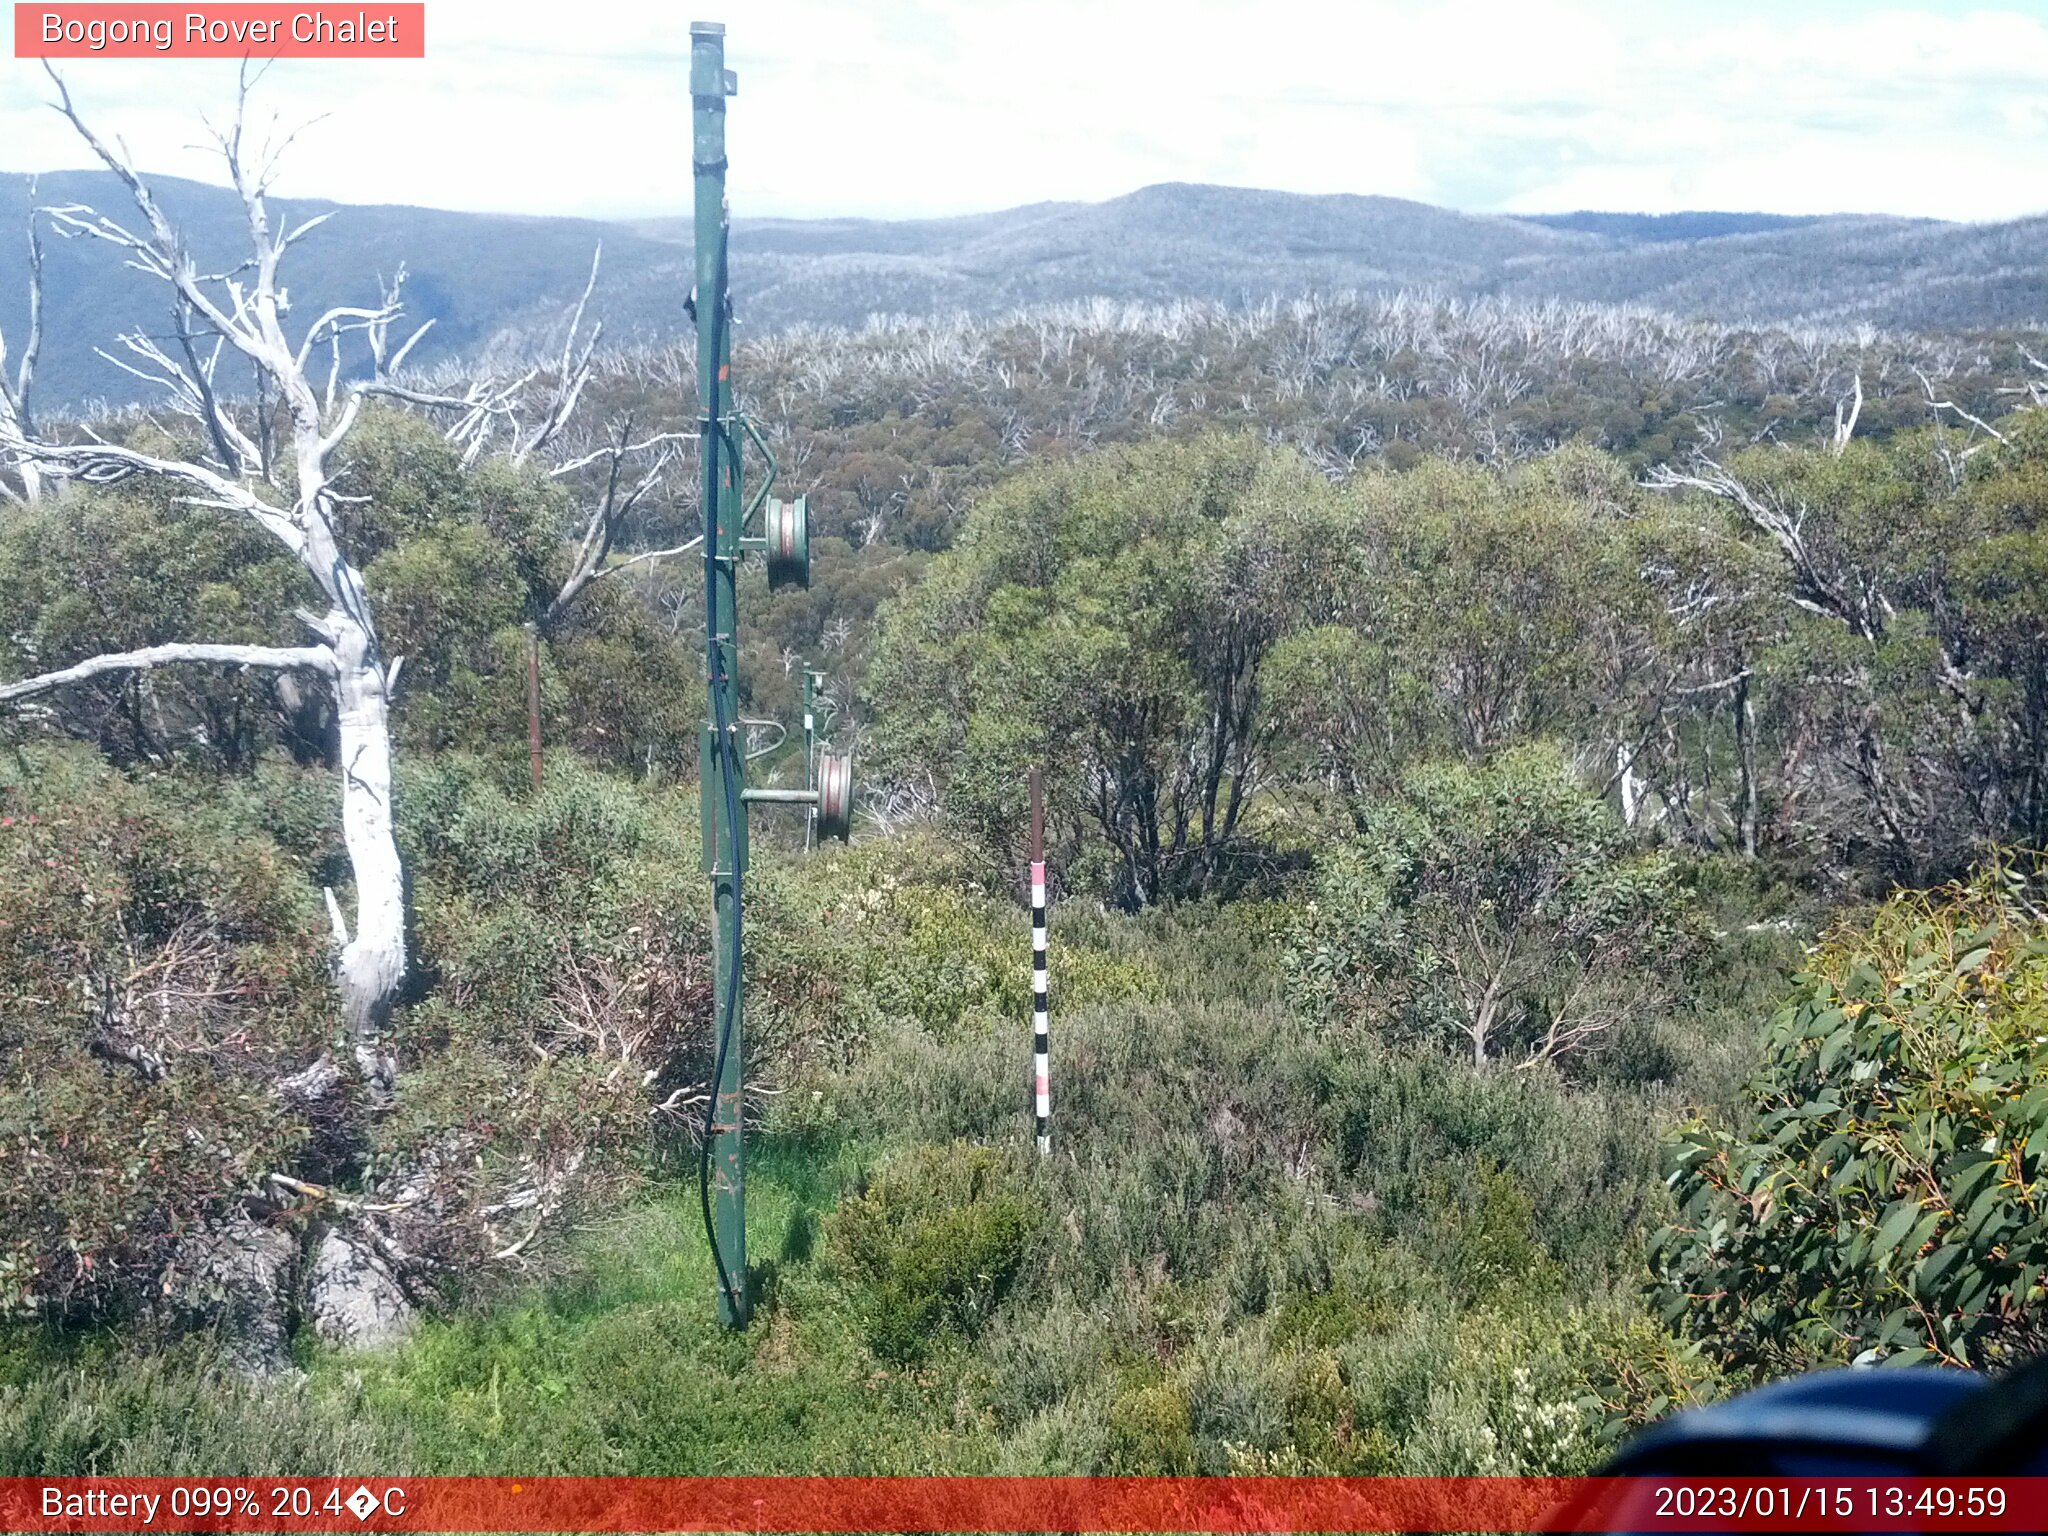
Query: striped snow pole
point(1041, 1018)
point(1041, 1014)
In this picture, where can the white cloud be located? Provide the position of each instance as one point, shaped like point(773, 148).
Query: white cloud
point(893, 107)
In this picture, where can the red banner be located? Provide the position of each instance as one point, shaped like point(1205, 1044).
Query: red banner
point(1019, 1504)
point(377, 31)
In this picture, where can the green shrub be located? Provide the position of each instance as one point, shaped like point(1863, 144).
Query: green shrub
point(935, 1240)
point(1498, 911)
point(117, 569)
point(159, 971)
point(1490, 1239)
point(1323, 1432)
point(1411, 1128)
point(902, 931)
point(1882, 1195)
point(1149, 1433)
point(462, 829)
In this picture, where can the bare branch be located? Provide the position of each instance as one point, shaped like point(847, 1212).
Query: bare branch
point(1938, 405)
point(1813, 588)
point(609, 515)
point(325, 1195)
point(335, 920)
point(163, 254)
point(1853, 598)
point(276, 658)
point(660, 439)
point(652, 554)
point(107, 464)
point(338, 322)
point(572, 374)
point(398, 358)
point(303, 229)
point(1718, 685)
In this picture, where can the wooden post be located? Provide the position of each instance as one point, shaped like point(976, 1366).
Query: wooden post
point(533, 699)
point(1041, 1014)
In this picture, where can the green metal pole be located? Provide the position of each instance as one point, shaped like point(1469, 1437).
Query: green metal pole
point(724, 833)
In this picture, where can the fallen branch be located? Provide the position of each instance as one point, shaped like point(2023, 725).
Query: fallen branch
point(339, 1201)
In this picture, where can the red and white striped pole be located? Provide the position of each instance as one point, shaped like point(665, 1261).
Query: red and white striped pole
point(1041, 1016)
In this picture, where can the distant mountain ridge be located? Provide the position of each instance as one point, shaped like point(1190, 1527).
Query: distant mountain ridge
point(502, 280)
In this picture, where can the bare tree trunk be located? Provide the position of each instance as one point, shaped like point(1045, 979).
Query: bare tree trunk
point(15, 393)
point(1630, 785)
point(372, 962)
point(1482, 1020)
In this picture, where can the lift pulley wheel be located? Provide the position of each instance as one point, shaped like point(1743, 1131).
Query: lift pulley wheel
point(786, 526)
point(835, 795)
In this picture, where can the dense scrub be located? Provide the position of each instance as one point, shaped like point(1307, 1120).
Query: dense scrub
point(159, 971)
point(1502, 910)
point(1831, 661)
point(170, 1028)
point(894, 430)
point(1432, 840)
point(1259, 1246)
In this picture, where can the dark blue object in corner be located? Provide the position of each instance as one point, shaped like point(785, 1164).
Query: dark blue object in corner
point(1872, 1423)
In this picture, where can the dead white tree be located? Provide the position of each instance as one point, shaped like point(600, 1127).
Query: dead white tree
point(241, 313)
point(1848, 593)
point(602, 524)
point(618, 461)
point(1847, 410)
point(1954, 459)
point(2034, 388)
point(15, 393)
point(483, 409)
point(1833, 585)
point(531, 414)
point(611, 509)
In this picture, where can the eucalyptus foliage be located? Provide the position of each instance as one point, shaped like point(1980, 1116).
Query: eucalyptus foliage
point(1500, 908)
point(1884, 1196)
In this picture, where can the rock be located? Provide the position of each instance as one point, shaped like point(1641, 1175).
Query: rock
point(236, 1279)
point(353, 1300)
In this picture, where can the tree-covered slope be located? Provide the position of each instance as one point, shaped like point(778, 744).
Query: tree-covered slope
point(485, 278)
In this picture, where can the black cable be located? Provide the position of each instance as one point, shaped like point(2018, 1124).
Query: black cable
point(709, 435)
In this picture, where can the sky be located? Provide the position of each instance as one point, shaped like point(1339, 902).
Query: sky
point(910, 108)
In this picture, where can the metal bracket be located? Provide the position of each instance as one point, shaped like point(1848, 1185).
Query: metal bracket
point(767, 480)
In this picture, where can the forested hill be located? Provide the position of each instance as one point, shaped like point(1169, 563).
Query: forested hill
point(501, 278)
point(474, 275)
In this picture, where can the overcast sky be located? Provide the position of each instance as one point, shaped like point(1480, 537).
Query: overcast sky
point(895, 108)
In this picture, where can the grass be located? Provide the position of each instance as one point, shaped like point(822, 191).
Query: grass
point(619, 1367)
point(624, 1370)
